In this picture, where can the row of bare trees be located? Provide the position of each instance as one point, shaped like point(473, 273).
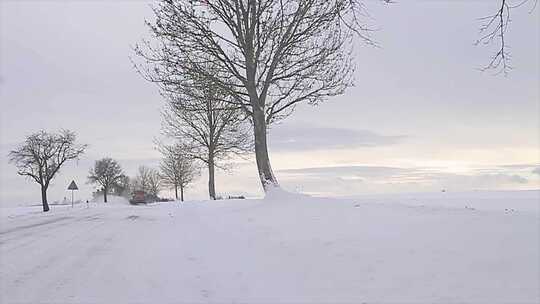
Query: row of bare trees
point(177, 171)
point(222, 62)
point(261, 57)
point(205, 125)
point(258, 57)
point(41, 156)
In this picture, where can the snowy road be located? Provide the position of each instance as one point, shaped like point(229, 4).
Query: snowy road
point(253, 251)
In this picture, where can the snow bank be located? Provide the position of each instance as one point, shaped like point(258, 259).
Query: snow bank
point(56, 209)
point(111, 199)
point(502, 201)
point(278, 194)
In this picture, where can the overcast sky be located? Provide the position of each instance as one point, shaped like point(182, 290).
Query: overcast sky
point(420, 118)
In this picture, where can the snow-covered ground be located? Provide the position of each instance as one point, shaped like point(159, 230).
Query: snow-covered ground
point(477, 247)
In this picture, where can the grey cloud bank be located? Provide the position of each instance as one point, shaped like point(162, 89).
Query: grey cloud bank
point(302, 137)
point(341, 179)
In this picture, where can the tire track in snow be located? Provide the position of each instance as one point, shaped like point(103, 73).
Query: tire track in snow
point(21, 238)
point(19, 228)
point(49, 270)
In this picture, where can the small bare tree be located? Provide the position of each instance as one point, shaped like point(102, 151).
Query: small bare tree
point(154, 183)
point(147, 180)
point(42, 155)
point(178, 169)
point(268, 55)
point(122, 187)
point(142, 180)
point(107, 173)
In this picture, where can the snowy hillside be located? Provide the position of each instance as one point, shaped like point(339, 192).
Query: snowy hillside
point(440, 248)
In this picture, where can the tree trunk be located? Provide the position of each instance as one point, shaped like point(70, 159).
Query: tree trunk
point(44, 199)
point(105, 195)
point(268, 180)
point(176, 191)
point(211, 177)
point(181, 193)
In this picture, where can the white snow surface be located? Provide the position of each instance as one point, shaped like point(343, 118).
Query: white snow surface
point(437, 248)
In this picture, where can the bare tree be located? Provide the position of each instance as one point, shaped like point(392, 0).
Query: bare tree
point(147, 180)
point(269, 55)
point(142, 180)
point(107, 173)
point(122, 187)
point(178, 169)
point(211, 128)
point(493, 29)
point(42, 155)
point(154, 183)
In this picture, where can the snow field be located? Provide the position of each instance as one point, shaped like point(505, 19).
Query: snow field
point(283, 249)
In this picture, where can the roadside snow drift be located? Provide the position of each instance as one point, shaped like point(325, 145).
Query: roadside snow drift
point(283, 249)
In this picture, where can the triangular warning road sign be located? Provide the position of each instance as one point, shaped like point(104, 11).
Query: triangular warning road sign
point(73, 186)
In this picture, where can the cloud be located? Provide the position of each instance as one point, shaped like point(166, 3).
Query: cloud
point(346, 171)
point(530, 170)
point(298, 138)
point(348, 180)
point(487, 180)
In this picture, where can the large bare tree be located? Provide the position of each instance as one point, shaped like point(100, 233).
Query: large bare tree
point(268, 55)
point(42, 155)
point(178, 169)
point(210, 127)
point(107, 173)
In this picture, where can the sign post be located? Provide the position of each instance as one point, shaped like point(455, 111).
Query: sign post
point(72, 187)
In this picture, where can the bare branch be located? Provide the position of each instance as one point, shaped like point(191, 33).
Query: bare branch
point(493, 31)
